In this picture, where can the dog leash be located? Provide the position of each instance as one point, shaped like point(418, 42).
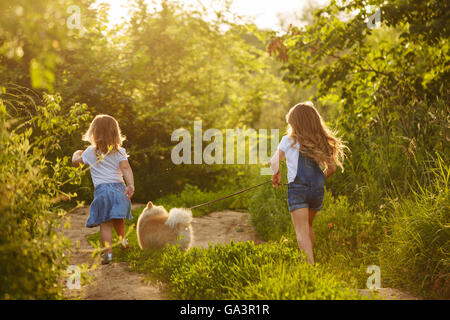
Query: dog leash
point(232, 195)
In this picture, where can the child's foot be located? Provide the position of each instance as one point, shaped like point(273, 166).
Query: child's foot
point(125, 245)
point(107, 258)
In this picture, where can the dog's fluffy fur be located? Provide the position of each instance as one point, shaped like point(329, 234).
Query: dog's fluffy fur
point(156, 227)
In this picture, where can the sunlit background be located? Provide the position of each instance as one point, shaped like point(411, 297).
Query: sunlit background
point(376, 72)
point(266, 14)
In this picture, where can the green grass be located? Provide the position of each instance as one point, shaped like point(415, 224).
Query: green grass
point(416, 253)
point(192, 195)
point(241, 270)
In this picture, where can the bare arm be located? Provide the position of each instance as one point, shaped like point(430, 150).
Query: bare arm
point(76, 158)
point(275, 166)
point(330, 170)
point(128, 176)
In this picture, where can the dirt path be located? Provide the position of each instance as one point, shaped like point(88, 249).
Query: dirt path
point(110, 282)
point(389, 294)
point(115, 282)
point(221, 227)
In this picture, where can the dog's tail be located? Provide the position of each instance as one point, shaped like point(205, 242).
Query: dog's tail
point(178, 216)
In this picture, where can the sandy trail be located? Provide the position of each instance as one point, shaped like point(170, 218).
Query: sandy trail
point(115, 282)
point(389, 294)
point(221, 227)
point(110, 282)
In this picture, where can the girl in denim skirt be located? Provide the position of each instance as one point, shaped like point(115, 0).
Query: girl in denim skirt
point(308, 146)
point(109, 165)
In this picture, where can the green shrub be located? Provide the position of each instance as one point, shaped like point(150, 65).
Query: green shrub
point(33, 254)
point(416, 253)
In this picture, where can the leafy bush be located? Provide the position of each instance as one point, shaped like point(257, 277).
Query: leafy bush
point(32, 249)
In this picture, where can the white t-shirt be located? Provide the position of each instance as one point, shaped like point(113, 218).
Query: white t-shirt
point(291, 154)
point(106, 170)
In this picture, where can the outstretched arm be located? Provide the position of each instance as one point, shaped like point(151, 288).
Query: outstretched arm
point(330, 170)
point(76, 158)
point(275, 166)
point(128, 176)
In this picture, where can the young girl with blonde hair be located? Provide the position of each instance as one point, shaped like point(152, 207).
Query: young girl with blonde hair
point(108, 163)
point(308, 145)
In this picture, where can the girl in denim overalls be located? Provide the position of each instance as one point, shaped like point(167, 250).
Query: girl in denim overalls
point(308, 145)
point(109, 165)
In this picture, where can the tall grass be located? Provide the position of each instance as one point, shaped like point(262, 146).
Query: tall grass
point(416, 253)
point(192, 195)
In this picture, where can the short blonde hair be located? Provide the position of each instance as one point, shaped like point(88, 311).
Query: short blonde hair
point(104, 134)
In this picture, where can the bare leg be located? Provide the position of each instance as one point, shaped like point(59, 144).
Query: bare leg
point(300, 219)
point(312, 214)
point(119, 226)
point(106, 235)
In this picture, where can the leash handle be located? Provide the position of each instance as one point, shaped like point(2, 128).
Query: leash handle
point(232, 195)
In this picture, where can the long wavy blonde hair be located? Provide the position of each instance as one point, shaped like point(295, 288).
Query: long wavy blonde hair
point(104, 134)
point(317, 141)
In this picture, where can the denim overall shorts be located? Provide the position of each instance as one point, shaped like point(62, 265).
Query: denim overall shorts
point(307, 189)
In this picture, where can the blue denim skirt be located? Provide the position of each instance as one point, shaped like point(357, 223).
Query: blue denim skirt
point(110, 202)
point(304, 196)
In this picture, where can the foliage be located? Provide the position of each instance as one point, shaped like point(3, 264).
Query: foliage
point(33, 253)
point(240, 270)
point(156, 73)
point(270, 213)
point(182, 69)
point(383, 89)
point(416, 253)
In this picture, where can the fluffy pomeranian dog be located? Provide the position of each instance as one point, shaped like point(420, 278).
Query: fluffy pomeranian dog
point(156, 227)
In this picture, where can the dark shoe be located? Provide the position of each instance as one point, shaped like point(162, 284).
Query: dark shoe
point(107, 258)
point(124, 245)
